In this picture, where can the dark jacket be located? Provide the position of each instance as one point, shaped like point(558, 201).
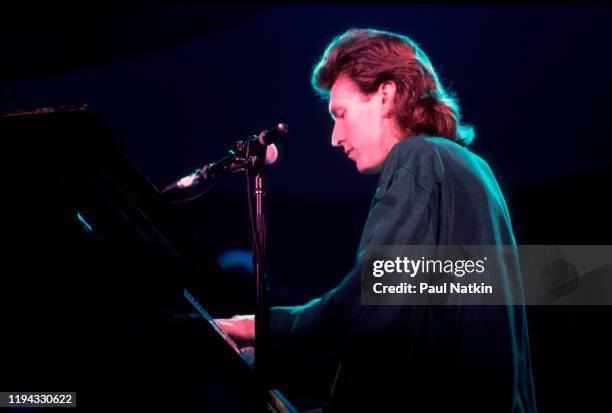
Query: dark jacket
point(431, 191)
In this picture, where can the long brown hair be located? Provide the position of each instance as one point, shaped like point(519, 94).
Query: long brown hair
point(370, 57)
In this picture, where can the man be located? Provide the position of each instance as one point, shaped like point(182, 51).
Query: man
point(392, 116)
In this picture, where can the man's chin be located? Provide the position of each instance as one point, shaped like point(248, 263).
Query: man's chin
point(368, 169)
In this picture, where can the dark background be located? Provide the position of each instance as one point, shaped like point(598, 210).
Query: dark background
point(177, 84)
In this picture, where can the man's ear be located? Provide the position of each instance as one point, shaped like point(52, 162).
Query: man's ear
point(387, 91)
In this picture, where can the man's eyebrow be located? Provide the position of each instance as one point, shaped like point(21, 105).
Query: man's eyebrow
point(333, 111)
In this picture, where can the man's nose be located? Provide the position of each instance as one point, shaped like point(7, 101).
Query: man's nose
point(336, 137)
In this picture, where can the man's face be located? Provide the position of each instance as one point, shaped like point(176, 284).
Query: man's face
point(358, 125)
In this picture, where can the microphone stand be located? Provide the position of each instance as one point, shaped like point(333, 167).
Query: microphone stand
point(250, 155)
point(256, 156)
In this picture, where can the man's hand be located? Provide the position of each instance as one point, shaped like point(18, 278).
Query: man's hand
point(240, 327)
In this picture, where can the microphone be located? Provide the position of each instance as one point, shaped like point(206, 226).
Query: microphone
point(268, 137)
point(265, 140)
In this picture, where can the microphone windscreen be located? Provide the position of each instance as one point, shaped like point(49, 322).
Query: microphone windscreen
point(271, 154)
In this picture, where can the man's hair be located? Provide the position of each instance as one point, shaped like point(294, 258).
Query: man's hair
point(370, 57)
